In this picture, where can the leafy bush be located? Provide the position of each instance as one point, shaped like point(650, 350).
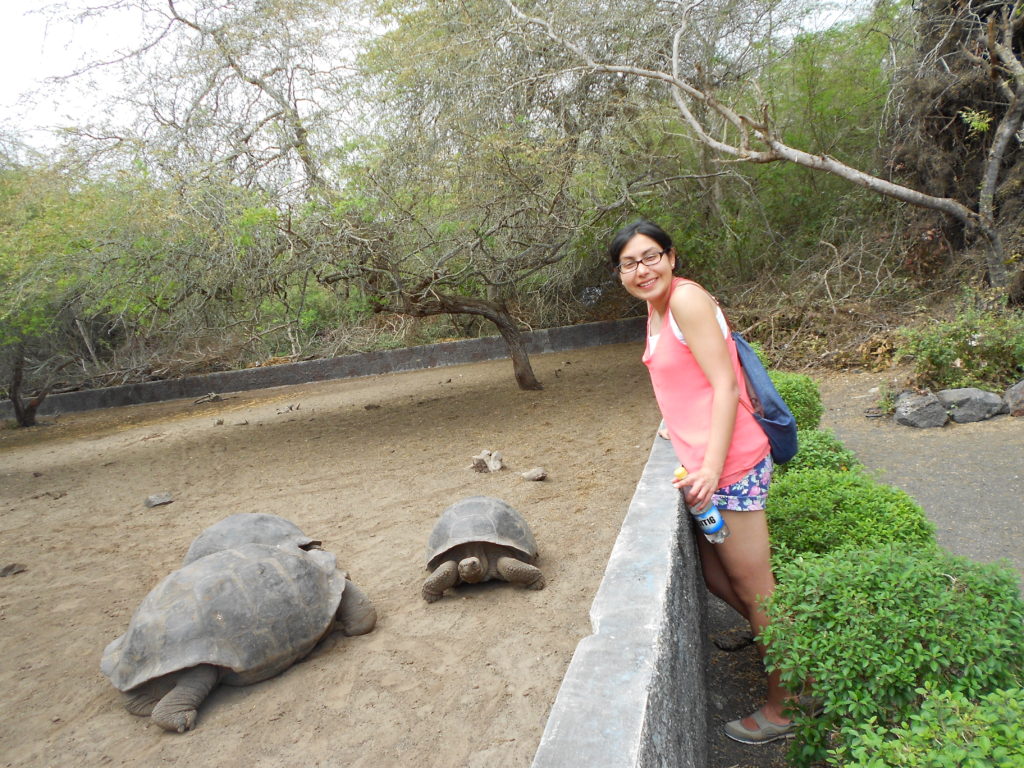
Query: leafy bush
point(977, 349)
point(820, 449)
point(949, 730)
point(802, 395)
point(869, 628)
point(822, 510)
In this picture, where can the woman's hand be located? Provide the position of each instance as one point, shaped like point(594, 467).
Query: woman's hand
point(697, 487)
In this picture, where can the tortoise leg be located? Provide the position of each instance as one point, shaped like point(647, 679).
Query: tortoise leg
point(518, 572)
point(141, 700)
point(177, 710)
point(356, 614)
point(444, 576)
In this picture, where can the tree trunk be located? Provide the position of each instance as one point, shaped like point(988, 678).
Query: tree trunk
point(441, 304)
point(521, 367)
point(24, 413)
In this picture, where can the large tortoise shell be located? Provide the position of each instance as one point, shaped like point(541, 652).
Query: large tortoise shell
point(255, 610)
point(247, 528)
point(480, 519)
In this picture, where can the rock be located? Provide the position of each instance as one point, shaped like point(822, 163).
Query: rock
point(969, 404)
point(12, 568)
point(920, 410)
point(537, 473)
point(158, 499)
point(487, 461)
point(1014, 398)
point(733, 640)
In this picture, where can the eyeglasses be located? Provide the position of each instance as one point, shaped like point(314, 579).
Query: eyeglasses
point(648, 259)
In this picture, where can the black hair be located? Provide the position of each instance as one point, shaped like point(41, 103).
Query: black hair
point(638, 227)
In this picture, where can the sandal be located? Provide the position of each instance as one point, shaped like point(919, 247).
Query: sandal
point(766, 731)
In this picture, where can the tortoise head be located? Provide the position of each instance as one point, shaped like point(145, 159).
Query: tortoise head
point(473, 569)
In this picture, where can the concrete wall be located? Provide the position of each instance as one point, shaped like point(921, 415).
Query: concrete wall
point(365, 364)
point(634, 693)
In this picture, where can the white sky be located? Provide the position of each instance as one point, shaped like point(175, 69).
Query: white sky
point(32, 48)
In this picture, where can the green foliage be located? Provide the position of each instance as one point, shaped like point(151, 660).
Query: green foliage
point(837, 89)
point(871, 627)
point(949, 731)
point(976, 349)
point(977, 121)
point(253, 224)
point(824, 510)
point(820, 449)
point(323, 310)
point(802, 395)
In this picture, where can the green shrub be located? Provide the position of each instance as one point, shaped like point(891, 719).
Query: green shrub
point(949, 730)
point(820, 449)
point(822, 510)
point(977, 349)
point(802, 395)
point(871, 627)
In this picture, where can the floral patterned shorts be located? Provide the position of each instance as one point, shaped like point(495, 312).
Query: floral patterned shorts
point(750, 492)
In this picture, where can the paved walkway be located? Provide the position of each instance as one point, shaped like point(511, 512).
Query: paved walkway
point(969, 478)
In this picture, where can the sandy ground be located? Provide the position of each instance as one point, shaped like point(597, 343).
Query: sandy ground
point(366, 465)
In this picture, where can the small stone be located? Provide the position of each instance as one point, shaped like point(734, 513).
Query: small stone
point(487, 461)
point(537, 473)
point(158, 499)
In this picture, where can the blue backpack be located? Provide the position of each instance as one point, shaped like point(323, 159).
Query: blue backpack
point(769, 409)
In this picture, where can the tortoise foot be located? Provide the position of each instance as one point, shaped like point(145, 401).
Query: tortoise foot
point(176, 722)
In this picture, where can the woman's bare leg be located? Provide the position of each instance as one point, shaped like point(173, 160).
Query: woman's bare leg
point(715, 577)
point(745, 559)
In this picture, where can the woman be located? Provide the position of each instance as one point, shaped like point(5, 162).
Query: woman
point(694, 370)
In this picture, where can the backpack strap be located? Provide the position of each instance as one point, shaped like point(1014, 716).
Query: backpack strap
point(753, 403)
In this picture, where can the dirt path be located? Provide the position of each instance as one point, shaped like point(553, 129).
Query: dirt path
point(365, 465)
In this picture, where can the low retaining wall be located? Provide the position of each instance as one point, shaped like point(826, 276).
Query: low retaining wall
point(634, 693)
point(347, 366)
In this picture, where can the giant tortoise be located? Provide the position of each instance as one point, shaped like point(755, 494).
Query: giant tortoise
point(236, 616)
point(477, 539)
point(247, 528)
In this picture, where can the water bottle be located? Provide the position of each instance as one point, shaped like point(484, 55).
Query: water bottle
point(710, 521)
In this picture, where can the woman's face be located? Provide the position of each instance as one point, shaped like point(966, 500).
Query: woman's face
point(647, 281)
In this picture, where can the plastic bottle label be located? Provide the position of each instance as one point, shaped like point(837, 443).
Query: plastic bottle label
point(709, 521)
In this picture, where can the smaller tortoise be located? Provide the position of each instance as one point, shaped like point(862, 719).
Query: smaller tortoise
point(237, 616)
point(247, 528)
point(477, 539)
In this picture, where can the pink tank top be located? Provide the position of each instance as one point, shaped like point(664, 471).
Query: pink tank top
point(684, 396)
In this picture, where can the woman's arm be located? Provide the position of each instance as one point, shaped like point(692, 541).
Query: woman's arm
point(695, 314)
